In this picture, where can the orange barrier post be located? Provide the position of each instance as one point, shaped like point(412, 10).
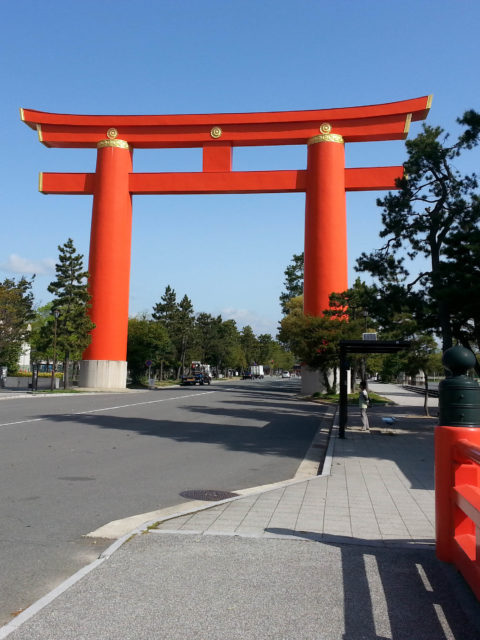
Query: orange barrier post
point(325, 262)
point(457, 500)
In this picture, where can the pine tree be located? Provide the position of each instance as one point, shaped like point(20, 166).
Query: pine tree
point(72, 301)
point(178, 318)
point(428, 217)
point(206, 337)
point(293, 281)
point(166, 310)
point(229, 351)
point(250, 345)
point(184, 323)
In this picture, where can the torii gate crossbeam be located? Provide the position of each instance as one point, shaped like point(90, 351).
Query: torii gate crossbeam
point(324, 182)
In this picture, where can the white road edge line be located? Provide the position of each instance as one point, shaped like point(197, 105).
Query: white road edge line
point(40, 604)
point(37, 606)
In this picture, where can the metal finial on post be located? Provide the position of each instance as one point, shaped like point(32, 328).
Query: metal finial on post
point(459, 395)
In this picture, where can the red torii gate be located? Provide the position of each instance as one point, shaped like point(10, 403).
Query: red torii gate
point(324, 182)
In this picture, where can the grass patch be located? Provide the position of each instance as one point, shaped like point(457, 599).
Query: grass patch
point(158, 384)
point(334, 398)
point(166, 383)
point(50, 391)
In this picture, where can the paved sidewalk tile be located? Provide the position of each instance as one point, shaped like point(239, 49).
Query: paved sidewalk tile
point(380, 490)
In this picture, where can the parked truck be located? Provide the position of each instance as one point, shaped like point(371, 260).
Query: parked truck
point(253, 372)
point(198, 374)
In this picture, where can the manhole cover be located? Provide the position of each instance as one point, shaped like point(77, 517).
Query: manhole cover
point(207, 494)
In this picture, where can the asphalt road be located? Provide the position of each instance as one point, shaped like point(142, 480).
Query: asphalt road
point(70, 464)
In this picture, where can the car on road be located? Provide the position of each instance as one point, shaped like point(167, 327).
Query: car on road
point(286, 374)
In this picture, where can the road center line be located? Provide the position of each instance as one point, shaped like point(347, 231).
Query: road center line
point(122, 406)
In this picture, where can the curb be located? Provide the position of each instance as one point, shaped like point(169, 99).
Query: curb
point(40, 604)
point(184, 509)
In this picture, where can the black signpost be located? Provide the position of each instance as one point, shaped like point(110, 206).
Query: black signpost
point(360, 346)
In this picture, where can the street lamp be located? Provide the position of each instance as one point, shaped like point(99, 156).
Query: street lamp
point(365, 315)
point(364, 360)
point(56, 313)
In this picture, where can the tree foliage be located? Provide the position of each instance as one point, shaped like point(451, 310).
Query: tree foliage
point(41, 342)
point(315, 340)
point(72, 301)
point(16, 312)
point(434, 215)
point(293, 281)
point(147, 340)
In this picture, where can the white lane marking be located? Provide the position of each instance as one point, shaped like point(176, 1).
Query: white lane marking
point(377, 594)
point(423, 576)
point(443, 621)
point(7, 424)
point(123, 406)
point(136, 404)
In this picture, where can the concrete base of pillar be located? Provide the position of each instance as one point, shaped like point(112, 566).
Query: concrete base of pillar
point(103, 374)
point(313, 382)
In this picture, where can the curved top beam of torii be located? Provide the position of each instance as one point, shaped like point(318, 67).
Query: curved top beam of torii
point(388, 121)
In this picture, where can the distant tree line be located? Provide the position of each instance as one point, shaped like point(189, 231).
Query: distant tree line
point(175, 335)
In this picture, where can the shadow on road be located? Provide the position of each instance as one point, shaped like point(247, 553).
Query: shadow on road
point(259, 422)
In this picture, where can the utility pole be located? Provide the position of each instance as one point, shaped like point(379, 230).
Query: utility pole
point(56, 313)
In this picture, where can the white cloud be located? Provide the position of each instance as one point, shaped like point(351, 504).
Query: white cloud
point(243, 317)
point(24, 266)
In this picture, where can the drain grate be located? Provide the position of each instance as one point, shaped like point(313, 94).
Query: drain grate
point(207, 494)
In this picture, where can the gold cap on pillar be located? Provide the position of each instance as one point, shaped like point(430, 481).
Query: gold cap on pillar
point(120, 144)
point(326, 137)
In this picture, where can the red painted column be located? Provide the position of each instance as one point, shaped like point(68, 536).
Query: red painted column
point(325, 265)
point(110, 247)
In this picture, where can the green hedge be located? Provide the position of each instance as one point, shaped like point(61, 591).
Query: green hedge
point(28, 374)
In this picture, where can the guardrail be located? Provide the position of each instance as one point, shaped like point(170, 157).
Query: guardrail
point(432, 393)
point(457, 500)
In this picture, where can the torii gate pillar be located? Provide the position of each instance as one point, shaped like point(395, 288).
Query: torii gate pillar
point(325, 260)
point(105, 360)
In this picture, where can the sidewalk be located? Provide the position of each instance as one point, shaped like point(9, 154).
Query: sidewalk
point(349, 555)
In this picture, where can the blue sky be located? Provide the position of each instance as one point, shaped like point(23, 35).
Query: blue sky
point(227, 253)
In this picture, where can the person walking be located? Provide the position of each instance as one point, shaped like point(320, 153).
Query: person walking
point(363, 402)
